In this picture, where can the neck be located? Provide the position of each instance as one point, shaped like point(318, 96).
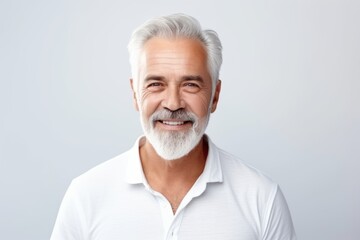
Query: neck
point(188, 167)
point(173, 179)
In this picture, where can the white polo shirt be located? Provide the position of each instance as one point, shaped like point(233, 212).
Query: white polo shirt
point(229, 200)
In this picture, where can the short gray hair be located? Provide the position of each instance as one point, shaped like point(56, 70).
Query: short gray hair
point(173, 26)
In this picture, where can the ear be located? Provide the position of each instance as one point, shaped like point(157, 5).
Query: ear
point(134, 94)
point(216, 96)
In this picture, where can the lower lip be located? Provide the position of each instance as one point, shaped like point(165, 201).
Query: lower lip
point(184, 126)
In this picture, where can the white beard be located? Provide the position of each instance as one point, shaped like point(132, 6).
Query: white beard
point(172, 145)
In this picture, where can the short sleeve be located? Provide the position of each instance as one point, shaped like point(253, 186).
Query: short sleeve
point(70, 222)
point(278, 222)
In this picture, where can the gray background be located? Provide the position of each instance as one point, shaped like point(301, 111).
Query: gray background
point(289, 104)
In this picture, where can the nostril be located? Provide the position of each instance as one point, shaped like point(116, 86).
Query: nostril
point(174, 110)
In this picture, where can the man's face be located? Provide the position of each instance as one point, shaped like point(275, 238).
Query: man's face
point(173, 95)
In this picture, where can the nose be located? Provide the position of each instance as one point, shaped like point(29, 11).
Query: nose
point(173, 100)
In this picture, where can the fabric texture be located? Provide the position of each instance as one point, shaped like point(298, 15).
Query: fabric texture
point(230, 200)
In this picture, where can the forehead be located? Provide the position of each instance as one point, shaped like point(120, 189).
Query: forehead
point(174, 53)
point(159, 43)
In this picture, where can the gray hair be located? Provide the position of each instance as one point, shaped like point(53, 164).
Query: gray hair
point(173, 26)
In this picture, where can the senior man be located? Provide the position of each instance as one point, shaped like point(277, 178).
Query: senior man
point(174, 183)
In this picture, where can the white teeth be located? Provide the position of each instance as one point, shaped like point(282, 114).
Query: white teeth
point(173, 123)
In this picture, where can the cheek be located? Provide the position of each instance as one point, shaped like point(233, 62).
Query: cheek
point(148, 103)
point(199, 105)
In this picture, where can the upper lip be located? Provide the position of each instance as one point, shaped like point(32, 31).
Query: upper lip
point(174, 120)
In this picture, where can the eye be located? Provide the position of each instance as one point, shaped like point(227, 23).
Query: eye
point(191, 87)
point(190, 84)
point(154, 86)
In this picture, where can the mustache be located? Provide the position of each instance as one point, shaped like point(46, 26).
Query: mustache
point(180, 114)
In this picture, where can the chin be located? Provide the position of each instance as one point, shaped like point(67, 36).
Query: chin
point(173, 145)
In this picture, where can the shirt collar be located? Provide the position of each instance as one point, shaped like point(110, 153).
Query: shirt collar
point(212, 171)
point(134, 171)
point(135, 175)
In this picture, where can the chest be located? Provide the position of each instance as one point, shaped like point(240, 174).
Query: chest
point(141, 216)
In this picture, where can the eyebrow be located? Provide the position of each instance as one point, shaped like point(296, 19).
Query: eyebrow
point(153, 77)
point(193, 78)
point(184, 78)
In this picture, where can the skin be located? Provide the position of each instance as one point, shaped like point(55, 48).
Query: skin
point(173, 74)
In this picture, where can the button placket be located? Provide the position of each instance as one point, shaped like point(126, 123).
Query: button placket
point(175, 225)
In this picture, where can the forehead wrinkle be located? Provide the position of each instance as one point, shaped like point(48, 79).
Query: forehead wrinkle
point(171, 51)
point(166, 66)
point(166, 58)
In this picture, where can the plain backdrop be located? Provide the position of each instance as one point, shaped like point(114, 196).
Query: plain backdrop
point(289, 104)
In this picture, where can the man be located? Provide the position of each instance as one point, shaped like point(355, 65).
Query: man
point(174, 183)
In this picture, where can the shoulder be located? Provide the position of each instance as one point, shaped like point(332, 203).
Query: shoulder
point(110, 171)
point(241, 175)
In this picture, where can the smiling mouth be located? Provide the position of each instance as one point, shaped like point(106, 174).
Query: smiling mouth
point(174, 123)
